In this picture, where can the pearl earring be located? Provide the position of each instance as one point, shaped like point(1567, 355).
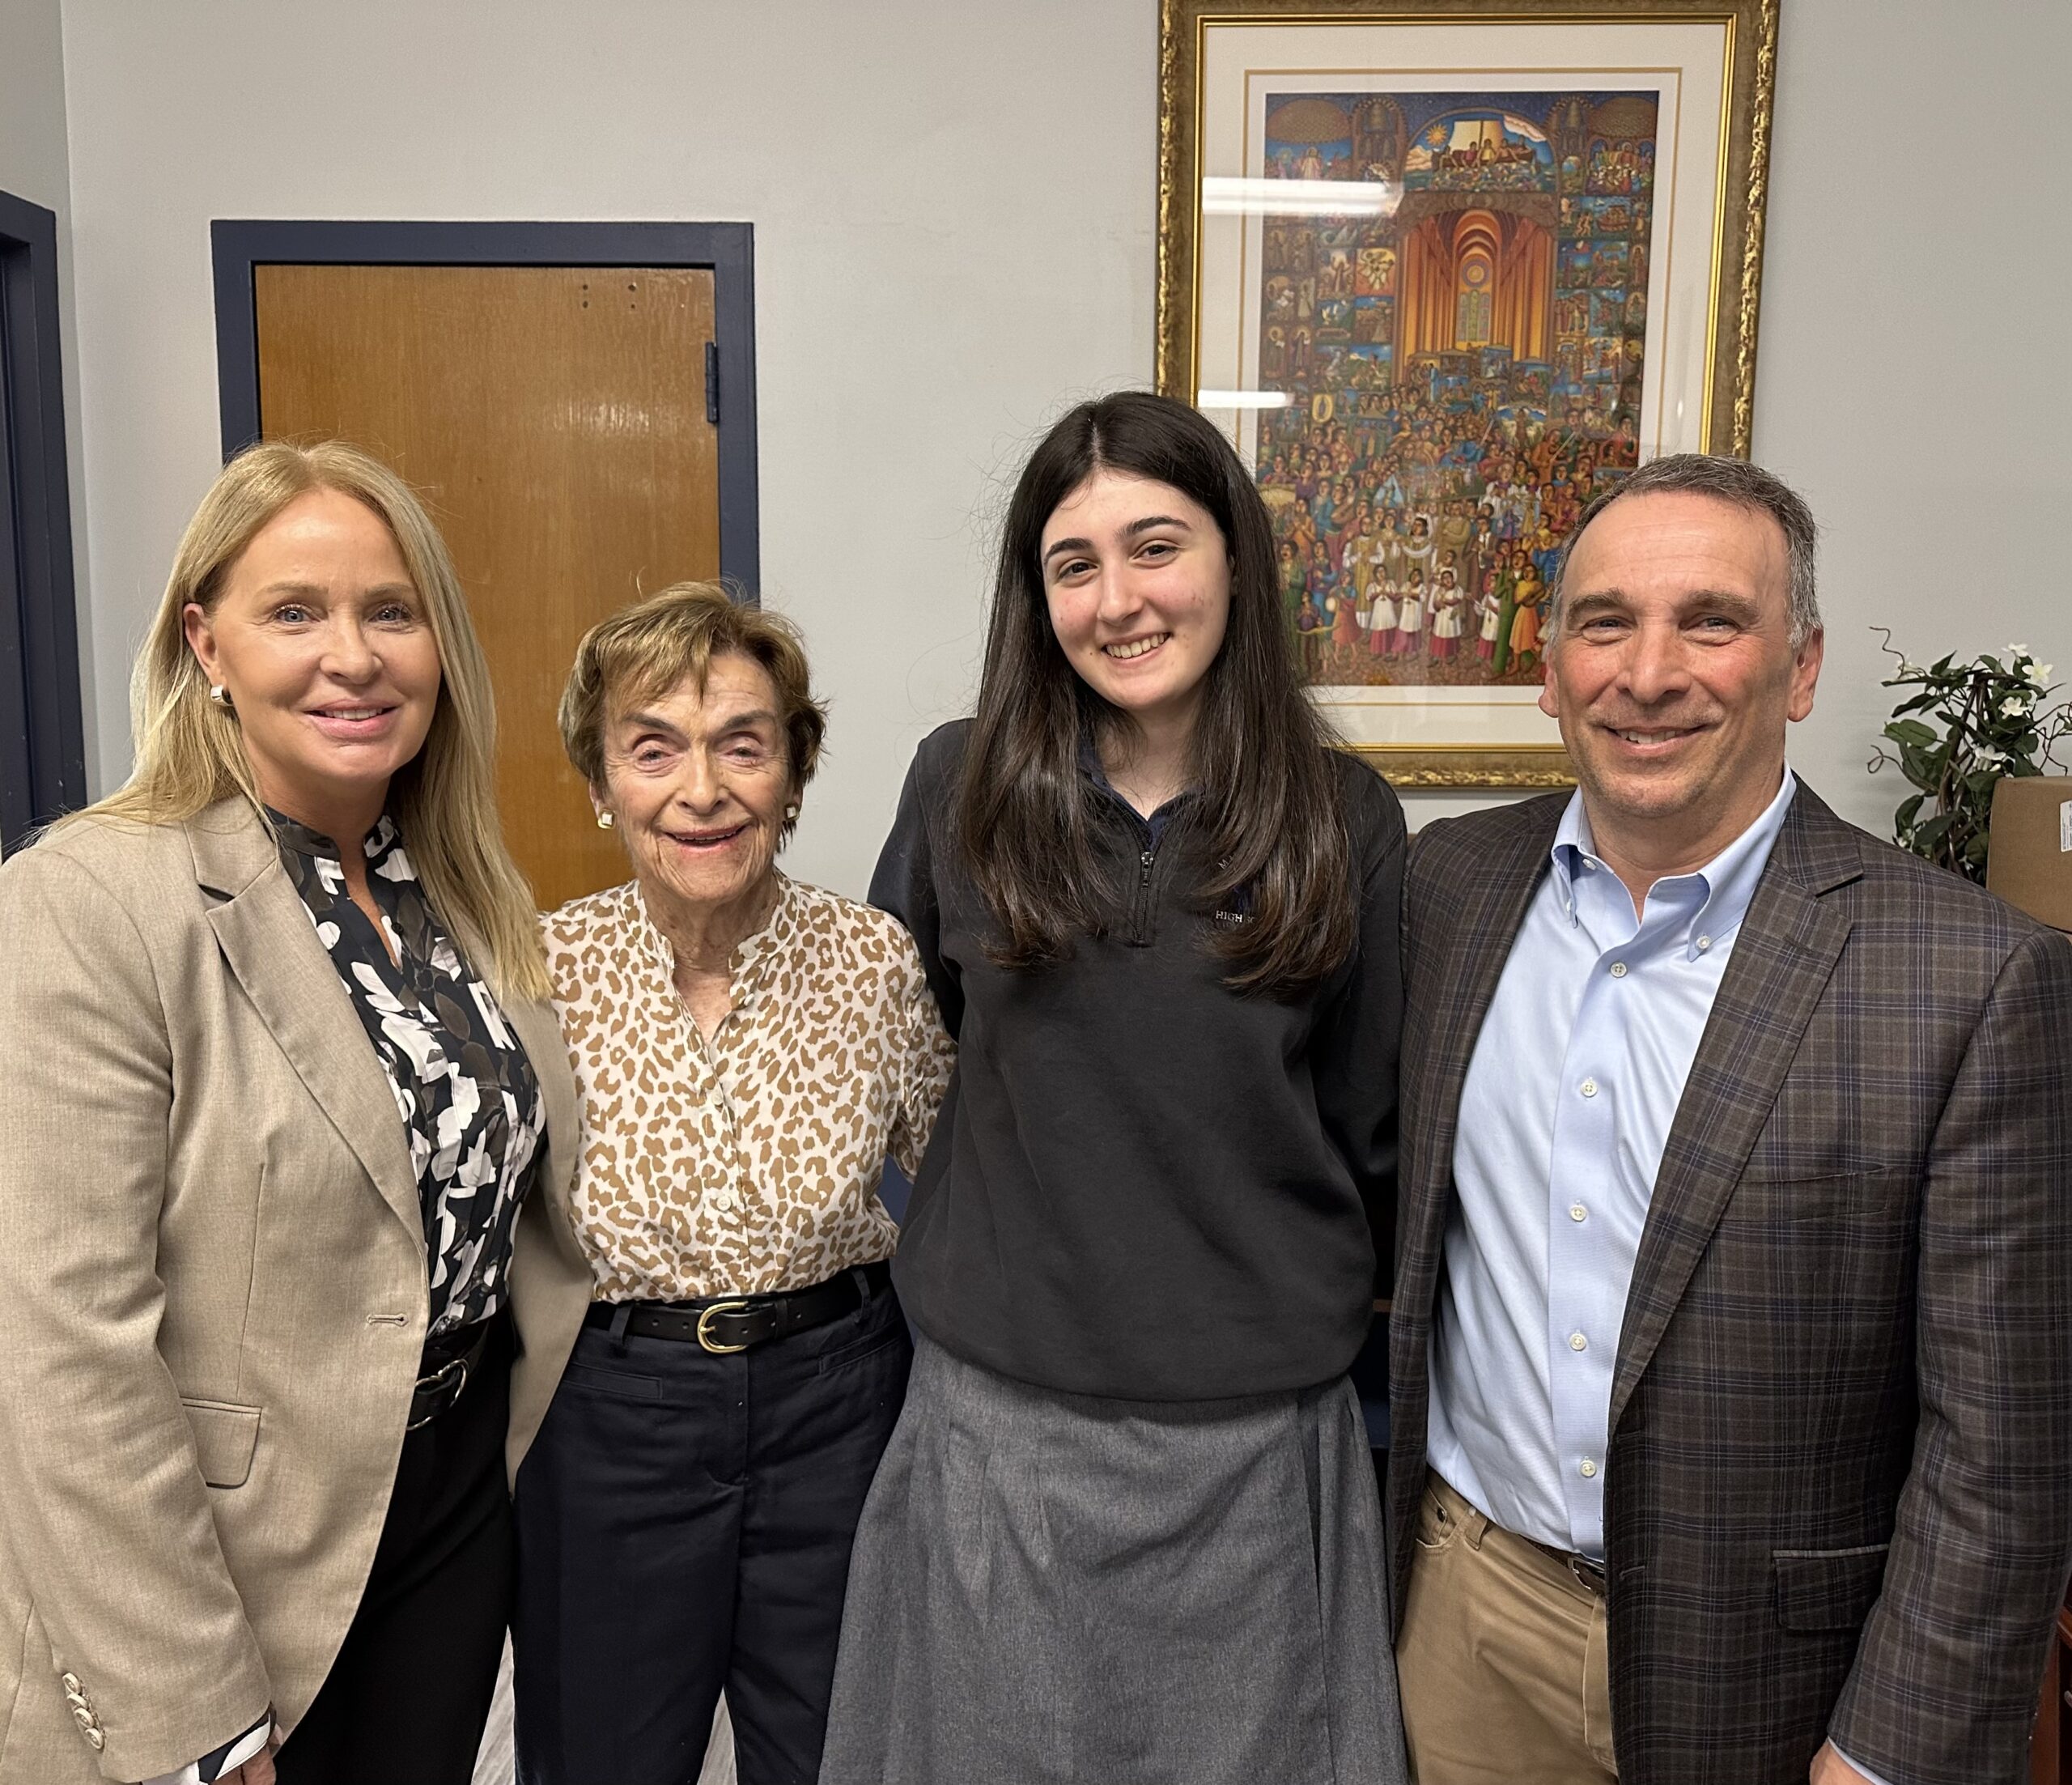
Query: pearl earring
point(603, 821)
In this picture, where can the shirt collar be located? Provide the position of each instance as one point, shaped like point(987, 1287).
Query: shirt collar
point(1090, 766)
point(1725, 886)
point(752, 955)
point(315, 845)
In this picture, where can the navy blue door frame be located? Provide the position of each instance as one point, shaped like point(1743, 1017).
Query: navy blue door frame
point(727, 249)
point(43, 751)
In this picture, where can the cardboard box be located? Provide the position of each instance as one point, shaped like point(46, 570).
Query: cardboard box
point(2030, 862)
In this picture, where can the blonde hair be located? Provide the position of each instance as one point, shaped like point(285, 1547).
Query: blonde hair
point(647, 648)
point(190, 752)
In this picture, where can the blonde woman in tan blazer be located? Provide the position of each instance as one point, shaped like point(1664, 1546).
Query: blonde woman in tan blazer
point(286, 1134)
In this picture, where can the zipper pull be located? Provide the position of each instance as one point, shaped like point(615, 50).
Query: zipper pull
point(1147, 858)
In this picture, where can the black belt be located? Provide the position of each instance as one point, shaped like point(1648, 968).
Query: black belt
point(1588, 1575)
point(448, 1361)
point(725, 1324)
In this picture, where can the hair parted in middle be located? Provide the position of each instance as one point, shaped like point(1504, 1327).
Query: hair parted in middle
point(1268, 824)
point(653, 645)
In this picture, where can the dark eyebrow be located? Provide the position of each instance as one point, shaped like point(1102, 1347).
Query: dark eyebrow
point(1716, 601)
point(1722, 601)
point(1131, 531)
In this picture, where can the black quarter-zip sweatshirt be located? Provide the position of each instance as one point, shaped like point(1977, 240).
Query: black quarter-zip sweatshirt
point(1143, 1185)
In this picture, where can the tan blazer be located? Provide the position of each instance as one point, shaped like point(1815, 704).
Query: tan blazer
point(212, 1295)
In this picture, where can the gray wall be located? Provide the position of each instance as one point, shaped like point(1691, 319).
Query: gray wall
point(954, 212)
point(32, 159)
point(35, 165)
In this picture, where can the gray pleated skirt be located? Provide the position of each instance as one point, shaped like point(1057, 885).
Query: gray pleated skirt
point(1056, 1587)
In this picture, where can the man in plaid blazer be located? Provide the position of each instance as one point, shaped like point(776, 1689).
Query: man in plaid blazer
point(1732, 1339)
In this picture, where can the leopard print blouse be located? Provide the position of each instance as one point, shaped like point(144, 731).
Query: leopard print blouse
point(750, 1163)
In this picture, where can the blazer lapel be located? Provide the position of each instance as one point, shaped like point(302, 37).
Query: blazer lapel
point(265, 932)
point(1492, 899)
point(540, 1035)
point(1783, 961)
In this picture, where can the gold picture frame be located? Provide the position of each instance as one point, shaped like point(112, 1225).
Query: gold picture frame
point(1673, 369)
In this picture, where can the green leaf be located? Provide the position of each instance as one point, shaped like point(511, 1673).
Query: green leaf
point(1911, 731)
point(1908, 811)
point(1933, 830)
point(1923, 767)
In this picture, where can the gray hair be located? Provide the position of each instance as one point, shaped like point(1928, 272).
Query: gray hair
point(1735, 481)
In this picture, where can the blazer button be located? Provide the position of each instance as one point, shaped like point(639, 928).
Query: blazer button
point(83, 1716)
point(95, 1739)
point(70, 1681)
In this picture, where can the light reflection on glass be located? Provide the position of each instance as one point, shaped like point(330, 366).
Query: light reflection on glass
point(1222, 196)
point(1242, 399)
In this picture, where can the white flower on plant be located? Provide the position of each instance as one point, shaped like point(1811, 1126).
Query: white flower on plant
point(2018, 703)
point(2018, 650)
point(1907, 669)
point(1990, 757)
point(2040, 674)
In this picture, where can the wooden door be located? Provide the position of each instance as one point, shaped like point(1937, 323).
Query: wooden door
point(555, 420)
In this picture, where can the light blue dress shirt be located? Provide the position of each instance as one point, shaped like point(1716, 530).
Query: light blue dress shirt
point(1567, 1105)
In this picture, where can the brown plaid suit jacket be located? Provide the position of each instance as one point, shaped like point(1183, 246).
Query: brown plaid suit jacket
point(1839, 1493)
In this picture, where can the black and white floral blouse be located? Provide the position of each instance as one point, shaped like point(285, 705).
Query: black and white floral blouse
point(462, 1081)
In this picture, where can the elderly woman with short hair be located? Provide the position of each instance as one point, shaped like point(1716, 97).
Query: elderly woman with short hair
point(749, 1050)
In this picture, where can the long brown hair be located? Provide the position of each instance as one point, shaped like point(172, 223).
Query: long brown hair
point(1268, 829)
point(190, 753)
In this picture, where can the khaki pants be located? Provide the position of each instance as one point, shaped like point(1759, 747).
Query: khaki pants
point(1502, 1658)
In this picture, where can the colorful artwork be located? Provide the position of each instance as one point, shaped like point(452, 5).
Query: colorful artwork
point(1544, 268)
point(1463, 373)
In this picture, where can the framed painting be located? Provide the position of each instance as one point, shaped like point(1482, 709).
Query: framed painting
point(1444, 272)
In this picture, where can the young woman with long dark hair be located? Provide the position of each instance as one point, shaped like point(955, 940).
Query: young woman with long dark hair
point(1127, 1528)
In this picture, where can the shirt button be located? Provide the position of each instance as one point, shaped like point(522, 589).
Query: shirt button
point(1590, 1087)
point(1577, 1212)
point(1578, 1342)
point(1590, 1468)
point(1618, 970)
point(723, 1199)
point(1704, 941)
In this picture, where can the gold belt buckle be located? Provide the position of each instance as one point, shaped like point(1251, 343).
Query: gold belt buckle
point(707, 1341)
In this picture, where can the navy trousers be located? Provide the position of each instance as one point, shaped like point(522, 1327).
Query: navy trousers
point(684, 1527)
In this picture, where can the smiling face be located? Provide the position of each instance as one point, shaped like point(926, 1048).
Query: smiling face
point(1137, 579)
point(324, 645)
point(1674, 675)
point(697, 784)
